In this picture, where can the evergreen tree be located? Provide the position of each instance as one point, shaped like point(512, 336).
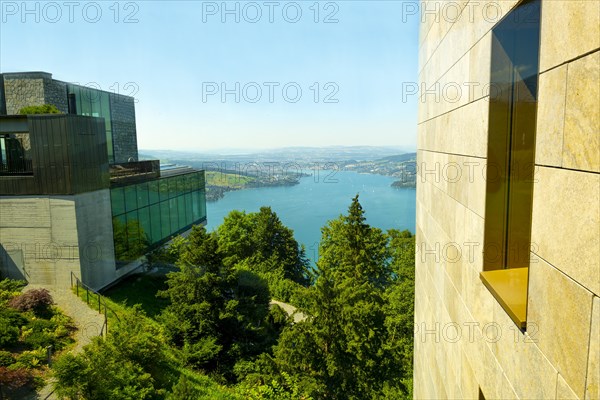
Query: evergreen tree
point(340, 348)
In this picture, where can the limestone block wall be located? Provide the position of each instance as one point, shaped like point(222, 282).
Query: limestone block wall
point(38, 238)
point(44, 239)
point(465, 343)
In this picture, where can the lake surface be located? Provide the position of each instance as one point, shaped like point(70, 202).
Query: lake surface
point(308, 206)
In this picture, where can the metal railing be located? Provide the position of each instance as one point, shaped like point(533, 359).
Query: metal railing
point(103, 308)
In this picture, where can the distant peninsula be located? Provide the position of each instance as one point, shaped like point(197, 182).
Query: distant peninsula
point(226, 173)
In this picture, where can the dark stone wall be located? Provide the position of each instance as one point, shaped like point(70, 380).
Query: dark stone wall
point(124, 133)
point(55, 92)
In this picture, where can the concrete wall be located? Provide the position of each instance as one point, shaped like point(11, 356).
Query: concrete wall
point(465, 342)
point(44, 239)
point(95, 237)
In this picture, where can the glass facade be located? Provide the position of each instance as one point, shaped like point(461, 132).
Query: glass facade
point(148, 214)
point(94, 103)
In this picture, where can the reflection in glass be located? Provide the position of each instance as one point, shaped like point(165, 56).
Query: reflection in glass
point(15, 154)
point(511, 141)
point(147, 214)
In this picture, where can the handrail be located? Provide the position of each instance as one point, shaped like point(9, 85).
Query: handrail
point(101, 302)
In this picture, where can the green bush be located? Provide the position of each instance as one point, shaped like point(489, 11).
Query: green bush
point(43, 109)
point(10, 288)
point(6, 358)
point(39, 339)
point(31, 359)
point(9, 334)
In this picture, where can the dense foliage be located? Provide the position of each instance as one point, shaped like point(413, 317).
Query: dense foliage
point(354, 340)
point(357, 341)
point(29, 324)
point(219, 308)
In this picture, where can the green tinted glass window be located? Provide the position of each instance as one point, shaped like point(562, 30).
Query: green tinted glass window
point(155, 235)
point(173, 215)
point(145, 226)
point(164, 189)
point(181, 212)
point(189, 215)
point(172, 182)
point(142, 194)
point(165, 219)
point(130, 198)
point(202, 203)
point(153, 196)
point(195, 206)
point(117, 199)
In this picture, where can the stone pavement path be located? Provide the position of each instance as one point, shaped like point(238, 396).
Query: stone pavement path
point(87, 320)
point(290, 310)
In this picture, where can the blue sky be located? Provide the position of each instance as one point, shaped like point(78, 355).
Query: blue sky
point(178, 56)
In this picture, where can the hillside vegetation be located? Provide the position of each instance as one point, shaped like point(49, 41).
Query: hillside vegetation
point(214, 334)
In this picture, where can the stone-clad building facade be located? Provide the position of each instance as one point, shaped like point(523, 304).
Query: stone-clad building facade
point(507, 289)
point(74, 199)
point(25, 89)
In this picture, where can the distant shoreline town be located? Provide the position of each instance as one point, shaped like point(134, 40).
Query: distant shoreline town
point(230, 173)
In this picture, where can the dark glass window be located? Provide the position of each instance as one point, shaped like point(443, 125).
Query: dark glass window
point(95, 103)
point(511, 140)
point(15, 154)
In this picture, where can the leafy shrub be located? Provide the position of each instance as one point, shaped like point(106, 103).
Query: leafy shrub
point(6, 358)
point(43, 109)
point(9, 334)
point(39, 339)
point(10, 322)
point(36, 300)
point(40, 333)
point(31, 359)
point(10, 288)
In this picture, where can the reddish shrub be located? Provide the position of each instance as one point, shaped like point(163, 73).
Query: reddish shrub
point(14, 378)
point(38, 300)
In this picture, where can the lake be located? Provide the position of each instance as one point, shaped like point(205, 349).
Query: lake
point(308, 206)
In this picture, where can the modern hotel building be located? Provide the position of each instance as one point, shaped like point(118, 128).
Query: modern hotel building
point(73, 196)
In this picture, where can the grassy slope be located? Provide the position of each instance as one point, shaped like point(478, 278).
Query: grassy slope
point(219, 179)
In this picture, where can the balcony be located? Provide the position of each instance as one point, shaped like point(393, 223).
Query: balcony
point(132, 172)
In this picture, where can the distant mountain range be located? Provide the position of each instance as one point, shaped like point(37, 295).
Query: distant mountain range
point(286, 154)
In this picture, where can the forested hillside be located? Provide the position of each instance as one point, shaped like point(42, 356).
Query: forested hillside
point(218, 336)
